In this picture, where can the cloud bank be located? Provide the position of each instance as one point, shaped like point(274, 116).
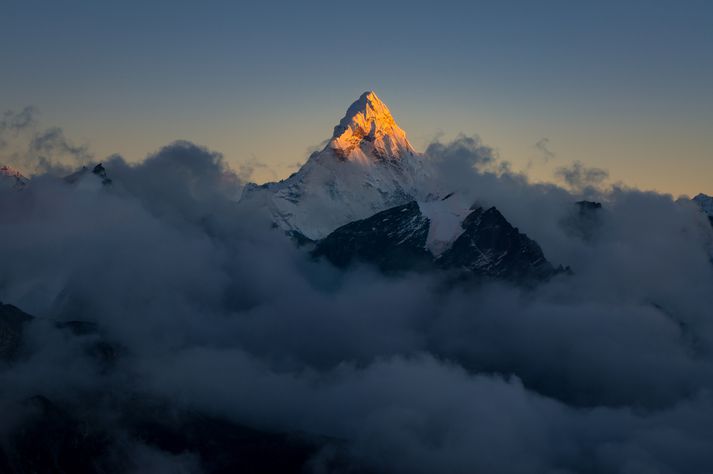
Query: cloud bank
point(208, 309)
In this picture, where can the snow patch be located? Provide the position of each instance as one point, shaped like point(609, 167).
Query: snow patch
point(445, 218)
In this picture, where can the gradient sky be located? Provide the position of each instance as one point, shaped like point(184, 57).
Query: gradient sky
point(626, 85)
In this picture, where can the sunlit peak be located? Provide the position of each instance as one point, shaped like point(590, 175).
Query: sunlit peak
point(369, 126)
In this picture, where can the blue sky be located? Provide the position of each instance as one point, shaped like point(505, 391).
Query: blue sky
point(626, 86)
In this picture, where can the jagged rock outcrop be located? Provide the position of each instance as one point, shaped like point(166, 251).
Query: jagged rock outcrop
point(487, 245)
point(394, 239)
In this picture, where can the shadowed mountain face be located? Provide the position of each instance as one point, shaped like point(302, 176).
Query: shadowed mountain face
point(490, 246)
point(395, 239)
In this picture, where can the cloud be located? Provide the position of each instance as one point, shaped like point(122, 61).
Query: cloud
point(246, 169)
point(33, 149)
point(543, 146)
point(464, 151)
point(51, 144)
point(580, 178)
point(13, 123)
point(213, 312)
point(17, 121)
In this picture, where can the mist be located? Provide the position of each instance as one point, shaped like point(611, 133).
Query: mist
point(209, 309)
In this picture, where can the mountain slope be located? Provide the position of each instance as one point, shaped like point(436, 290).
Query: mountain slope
point(13, 179)
point(400, 238)
point(394, 239)
point(367, 166)
point(491, 246)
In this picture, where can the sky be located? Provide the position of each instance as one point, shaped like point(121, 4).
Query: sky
point(158, 292)
point(622, 86)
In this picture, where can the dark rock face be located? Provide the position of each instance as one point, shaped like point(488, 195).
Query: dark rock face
point(490, 246)
point(393, 240)
point(12, 322)
point(100, 171)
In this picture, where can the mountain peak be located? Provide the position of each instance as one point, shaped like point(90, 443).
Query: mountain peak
point(7, 171)
point(705, 202)
point(368, 105)
point(367, 166)
point(10, 177)
point(368, 128)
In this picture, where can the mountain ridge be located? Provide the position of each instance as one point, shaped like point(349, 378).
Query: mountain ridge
point(396, 239)
point(367, 166)
point(11, 178)
point(368, 128)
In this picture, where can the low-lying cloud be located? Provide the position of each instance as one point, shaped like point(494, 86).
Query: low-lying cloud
point(608, 369)
point(543, 147)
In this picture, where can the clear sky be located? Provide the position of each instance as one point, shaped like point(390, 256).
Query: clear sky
point(622, 85)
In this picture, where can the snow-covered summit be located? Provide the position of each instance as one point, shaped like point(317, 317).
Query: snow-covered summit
point(367, 166)
point(369, 130)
